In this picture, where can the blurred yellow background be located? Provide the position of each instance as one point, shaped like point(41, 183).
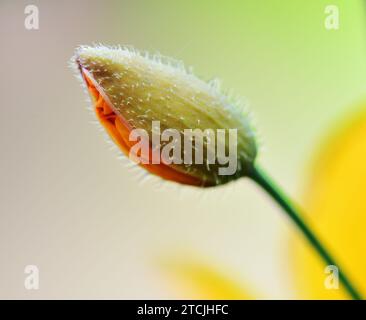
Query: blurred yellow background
point(96, 229)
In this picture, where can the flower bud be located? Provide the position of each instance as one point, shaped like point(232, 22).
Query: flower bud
point(172, 123)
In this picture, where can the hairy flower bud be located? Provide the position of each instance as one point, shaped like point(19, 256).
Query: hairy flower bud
point(195, 134)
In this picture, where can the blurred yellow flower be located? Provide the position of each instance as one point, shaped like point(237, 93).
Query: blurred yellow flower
point(194, 278)
point(335, 198)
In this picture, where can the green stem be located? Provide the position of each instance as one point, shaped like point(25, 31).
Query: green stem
point(283, 201)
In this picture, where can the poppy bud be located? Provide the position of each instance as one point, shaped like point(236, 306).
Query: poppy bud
point(172, 123)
